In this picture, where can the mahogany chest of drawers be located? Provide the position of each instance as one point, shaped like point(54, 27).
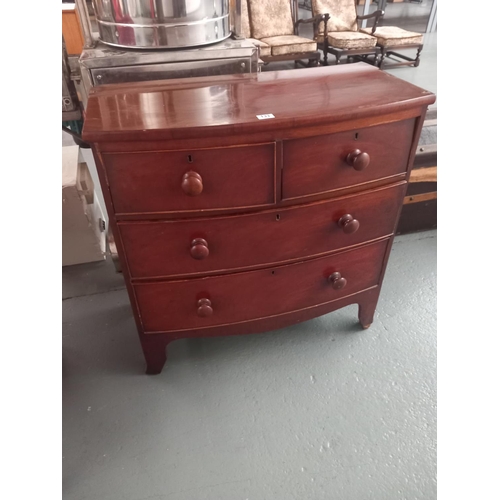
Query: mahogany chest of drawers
point(245, 204)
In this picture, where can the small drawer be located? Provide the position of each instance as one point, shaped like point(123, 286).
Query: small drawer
point(217, 244)
point(220, 300)
point(325, 163)
point(192, 180)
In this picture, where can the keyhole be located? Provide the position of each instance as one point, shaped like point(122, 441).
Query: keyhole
point(190, 159)
point(356, 136)
point(277, 216)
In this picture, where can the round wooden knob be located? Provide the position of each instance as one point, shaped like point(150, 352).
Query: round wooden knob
point(337, 281)
point(358, 160)
point(205, 308)
point(199, 249)
point(192, 183)
point(348, 224)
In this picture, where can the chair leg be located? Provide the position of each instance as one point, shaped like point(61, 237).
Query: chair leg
point(417, 59)
point(402, 59)
point(325, 54)
point(382, 57)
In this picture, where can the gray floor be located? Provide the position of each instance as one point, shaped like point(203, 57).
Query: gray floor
point(321, 410)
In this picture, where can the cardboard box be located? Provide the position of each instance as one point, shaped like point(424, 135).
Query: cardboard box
point(83, 239)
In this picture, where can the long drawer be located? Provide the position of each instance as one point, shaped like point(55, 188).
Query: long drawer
point(192, 180)
point(325, 163)
point(201, 302)
point(197, 246)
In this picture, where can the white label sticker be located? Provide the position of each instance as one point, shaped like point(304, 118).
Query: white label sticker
point(265, 117)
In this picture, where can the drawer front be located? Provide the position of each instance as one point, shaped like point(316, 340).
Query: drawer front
point(169, 248)
point(320, 164)
point(190, 180)
point(219, 300)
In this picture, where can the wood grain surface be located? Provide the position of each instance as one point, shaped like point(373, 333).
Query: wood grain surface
point(172, 306)
point(226, 224)
point(163, 248)
point(303, 97)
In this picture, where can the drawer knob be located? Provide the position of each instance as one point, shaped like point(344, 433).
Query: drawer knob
point(192, 183)
point(358, 160)
point(199, 249)
point(348, 224)
point(205, 308)
point(337, 281)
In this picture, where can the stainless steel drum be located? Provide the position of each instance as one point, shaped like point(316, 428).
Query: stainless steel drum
point(162, 23)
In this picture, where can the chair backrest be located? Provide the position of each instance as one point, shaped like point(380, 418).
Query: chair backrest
point(343, 14)
point(269, 18)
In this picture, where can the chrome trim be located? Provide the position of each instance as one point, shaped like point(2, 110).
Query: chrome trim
point(202, 21)
point(103, 56)
point(137, 73)
point(120, 65)
point(162, 23)
point(84, 19)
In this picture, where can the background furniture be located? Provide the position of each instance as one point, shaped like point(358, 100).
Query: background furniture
point(71, 30)
point(392, 39)
point(245, 204)
point(343, 35)
point(273, 26)
point(420, 204)
point(102, 66)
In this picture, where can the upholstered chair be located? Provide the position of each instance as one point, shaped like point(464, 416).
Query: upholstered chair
point(392, 37)
point(343, 35)
point(272, 26)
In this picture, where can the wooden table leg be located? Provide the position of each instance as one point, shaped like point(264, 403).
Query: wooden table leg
point(155, 353)
point(367, 306)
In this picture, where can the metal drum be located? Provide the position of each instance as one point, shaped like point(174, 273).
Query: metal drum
point(150, 24)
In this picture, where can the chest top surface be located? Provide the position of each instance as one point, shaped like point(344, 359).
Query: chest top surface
point(175, 109)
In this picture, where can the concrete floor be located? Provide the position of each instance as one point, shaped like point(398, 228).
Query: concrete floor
point(320, 410)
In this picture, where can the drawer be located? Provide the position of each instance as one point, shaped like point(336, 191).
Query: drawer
point(320, 164)
point(169, 248)
point(219, 300)
point(190, 180)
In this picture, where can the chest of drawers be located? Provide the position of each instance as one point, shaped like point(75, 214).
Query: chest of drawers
point(227, 222)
